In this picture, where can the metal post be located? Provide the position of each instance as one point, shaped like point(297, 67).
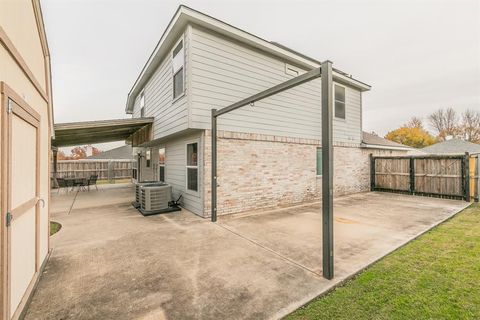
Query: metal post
point(327, 169)
point(467, 177)
point(477, 177)
point(412, 175)
point(372, 172)
point(214, 165)
point(55, 161)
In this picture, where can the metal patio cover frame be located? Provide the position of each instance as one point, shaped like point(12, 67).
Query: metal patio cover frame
point(325, 73)
point(98, 131)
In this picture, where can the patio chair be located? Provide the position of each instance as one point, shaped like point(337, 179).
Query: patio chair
point(62, 183)
point(81, 184)
point(53, 183)
point(92, 181)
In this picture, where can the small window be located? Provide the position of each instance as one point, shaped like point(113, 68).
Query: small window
point(142, 104)
point(134, 169)
point(148, 157)
point(192, 166)
point(319, 161)
point(161, 164)
point(178, 62)
point(339, 102)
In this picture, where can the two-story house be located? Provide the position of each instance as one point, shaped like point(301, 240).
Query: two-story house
point(269, 153)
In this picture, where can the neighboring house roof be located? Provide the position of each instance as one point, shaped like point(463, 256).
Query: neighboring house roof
point(452, 146)
point(185, 15)
point(123, 152)
point(370, 140)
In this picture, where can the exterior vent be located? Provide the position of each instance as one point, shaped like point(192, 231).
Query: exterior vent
point(155, 197)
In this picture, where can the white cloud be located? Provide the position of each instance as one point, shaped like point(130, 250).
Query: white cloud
point(417, 55)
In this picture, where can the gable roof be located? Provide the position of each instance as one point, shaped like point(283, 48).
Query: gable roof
point(185, 15)
point(452, 146)
point(370, 140)
point(123, 152)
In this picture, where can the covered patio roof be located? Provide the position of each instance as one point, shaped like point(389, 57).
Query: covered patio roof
point(89, 132)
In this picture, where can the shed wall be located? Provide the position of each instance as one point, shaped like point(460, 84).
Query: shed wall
point(18, 21)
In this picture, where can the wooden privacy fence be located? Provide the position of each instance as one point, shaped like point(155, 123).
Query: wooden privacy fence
point(105, 169)
point(445, 176)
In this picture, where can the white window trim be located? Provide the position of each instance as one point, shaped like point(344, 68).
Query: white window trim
point(193, 192)
point(319, 175)
point(334, 100)
point(182, 39)
point(149, 150)
point(162, 165)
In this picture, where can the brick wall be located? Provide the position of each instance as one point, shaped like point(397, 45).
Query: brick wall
point(260, 171)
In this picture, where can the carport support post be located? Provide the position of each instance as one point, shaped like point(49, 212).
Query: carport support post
point(55, 161)
point(327, 169)
point(214, 165)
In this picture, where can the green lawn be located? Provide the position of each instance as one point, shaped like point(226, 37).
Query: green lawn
point(105, 181)
point(436, 276)
point(54, 227)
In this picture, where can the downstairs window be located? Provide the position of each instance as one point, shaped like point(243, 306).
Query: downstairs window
point(192, 166)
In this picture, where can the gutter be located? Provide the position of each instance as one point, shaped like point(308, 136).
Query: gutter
point(377, 146)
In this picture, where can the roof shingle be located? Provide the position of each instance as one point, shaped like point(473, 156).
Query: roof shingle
point(452, 146)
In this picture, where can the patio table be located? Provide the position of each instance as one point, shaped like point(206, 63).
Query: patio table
point(76, 182)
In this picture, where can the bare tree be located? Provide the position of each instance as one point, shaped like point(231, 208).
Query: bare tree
point(415, 122)
point(445, 123)
point(470, 125)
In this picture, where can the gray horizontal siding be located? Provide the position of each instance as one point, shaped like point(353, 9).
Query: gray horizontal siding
point(170, 117)
point(175, 171)
point(224, 71)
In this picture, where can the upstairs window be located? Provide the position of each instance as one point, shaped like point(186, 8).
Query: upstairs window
point(339, 102)
point(142, 104)
point(161, 164)
point(178, 63)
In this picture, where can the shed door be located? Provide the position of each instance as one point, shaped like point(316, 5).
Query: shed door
point(23, 194)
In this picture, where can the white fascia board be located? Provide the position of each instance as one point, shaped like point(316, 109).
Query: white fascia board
point(376, 146)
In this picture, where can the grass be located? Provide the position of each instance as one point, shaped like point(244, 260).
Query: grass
point(54, 227)
point(436, 276)
point(105, 181)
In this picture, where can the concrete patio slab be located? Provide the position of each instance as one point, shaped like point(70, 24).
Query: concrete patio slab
point(109, 262)
point(64, 200)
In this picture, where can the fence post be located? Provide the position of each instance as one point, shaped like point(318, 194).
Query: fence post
point(412, 175)
point(110, 175)
point(467, 176)
point(477, 177)
point(372, 172)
